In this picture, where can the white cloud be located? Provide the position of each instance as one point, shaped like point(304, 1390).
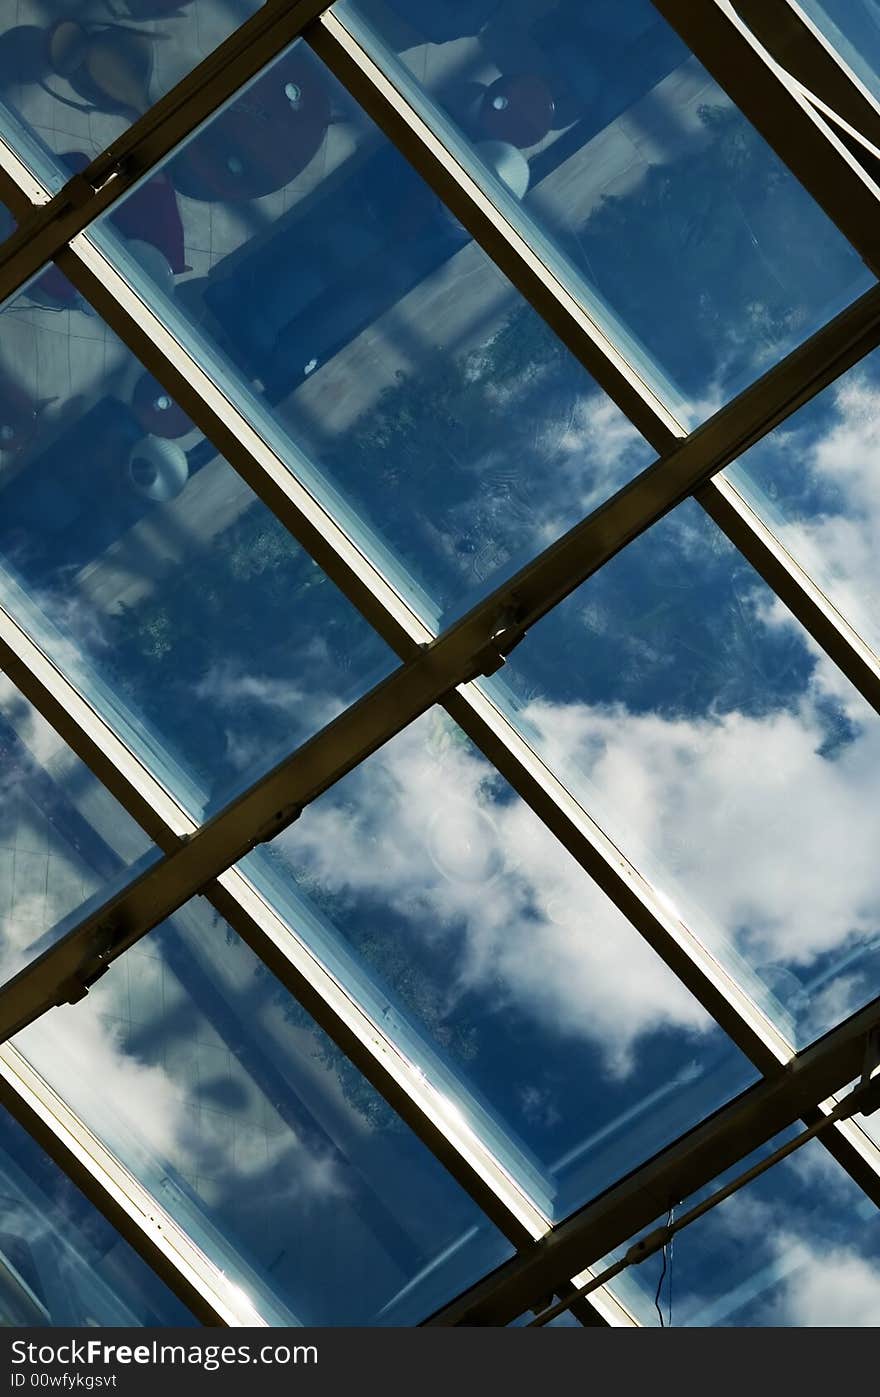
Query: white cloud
point(830, 1287)
point(428, 833)
point(768, 846)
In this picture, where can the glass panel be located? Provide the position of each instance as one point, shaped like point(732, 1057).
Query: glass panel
point(197, 1069)
point(61, 1263)
point(853, 28)
point(498, 966)
point(815, 481)
point(725, 755)
point(65, 844)
point(797, 1247)
point(149, 572)
point(598, 132)
point(375, 345)
point(76, 76)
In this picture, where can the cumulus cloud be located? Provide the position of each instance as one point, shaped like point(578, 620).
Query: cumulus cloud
point(774, 839)
point(430, 833)
point(830, 1287)
point(761, 836)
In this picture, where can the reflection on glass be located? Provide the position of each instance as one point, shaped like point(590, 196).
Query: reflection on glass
point(500, 968)
point(61, 1263)
point(596, 129)
point(816, 481)
point(75, 76)
point(149, 572)
point(853, 28)
point(65, 844)
point(799, 1247)
point(730, 760)
point(217, 1091)
point(373, 342)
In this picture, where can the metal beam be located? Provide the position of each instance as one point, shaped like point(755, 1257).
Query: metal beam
point(47, 223)
point(675, 1173)
point(775, 106)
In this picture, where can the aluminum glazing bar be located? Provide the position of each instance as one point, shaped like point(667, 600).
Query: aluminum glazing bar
point(48, 223)
point(760, 87)
point(129, 1208)
point(93, 741)
point(20, 190)
point(675, 1173)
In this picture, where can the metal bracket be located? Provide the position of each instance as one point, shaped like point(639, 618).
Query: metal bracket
point(80, 190)
point(507, 632)
point(280, 821)
point(868, 1087)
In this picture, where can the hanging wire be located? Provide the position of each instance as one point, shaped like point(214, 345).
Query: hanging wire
point(666, 1251)
point(669, 1281)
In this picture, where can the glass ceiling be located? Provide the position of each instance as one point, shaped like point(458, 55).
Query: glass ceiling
point(377, 957)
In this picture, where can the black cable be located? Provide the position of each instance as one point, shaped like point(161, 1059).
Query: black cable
point(666, 1255)
point(662, 1274)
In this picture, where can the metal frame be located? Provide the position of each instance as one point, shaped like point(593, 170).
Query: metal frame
point(631, 1205)
point(436, 668)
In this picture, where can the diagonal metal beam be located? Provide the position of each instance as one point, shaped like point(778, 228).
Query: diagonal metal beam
point(680, 1170)
point(47, 222)
point(761, 88)
point(64, 972)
